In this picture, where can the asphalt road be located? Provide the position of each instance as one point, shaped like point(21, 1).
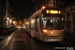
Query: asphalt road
point(20, 40)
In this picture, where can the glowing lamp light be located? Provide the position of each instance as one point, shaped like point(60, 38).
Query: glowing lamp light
point(33, 21)
point(24, 27)
point(44, 30)
point(53, 11)
point(43, 7)
point(27, 23)
point(59, 12)
point(14, 22)
point(7, 18)
point(47, 11)
point(51, 32)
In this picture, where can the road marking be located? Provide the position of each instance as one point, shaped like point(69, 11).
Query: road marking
point(2, 37)
point(18, 39)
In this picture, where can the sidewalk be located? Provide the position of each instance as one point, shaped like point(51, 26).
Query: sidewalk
point(2, 37)
point(69, 36)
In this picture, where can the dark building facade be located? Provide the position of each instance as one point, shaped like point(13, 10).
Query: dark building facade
point(69, 15)
point(37, 4)
point(61, 3)
point(4, 10)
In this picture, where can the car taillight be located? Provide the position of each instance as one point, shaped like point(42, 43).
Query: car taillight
point(5, 29)
point(62, 29)
point(44, 30)
point(1, 31)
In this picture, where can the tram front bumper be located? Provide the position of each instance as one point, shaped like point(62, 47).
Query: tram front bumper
point(54, 39)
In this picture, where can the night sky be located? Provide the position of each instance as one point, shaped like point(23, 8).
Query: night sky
point(21, 8)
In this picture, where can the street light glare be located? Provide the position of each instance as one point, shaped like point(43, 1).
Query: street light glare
point(7, 18)
point(43, 7)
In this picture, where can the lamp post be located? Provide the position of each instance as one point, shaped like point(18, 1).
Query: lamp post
point(6, 8)
point(7, 22)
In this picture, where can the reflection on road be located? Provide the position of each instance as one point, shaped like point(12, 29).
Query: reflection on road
point(21, 40)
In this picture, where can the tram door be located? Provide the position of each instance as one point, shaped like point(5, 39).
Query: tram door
point(37, 26)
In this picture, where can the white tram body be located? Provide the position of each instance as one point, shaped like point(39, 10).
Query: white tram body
point(45, 27)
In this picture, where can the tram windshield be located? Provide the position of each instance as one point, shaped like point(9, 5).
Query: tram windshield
point(52, 24)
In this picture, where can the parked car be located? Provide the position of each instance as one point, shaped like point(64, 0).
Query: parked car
point(7, 30)
point(2, 31)
point(12, 28)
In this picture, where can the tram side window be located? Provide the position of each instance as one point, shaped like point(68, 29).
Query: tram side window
point(57, 22)
point(32, 23)
point(37, 24)
point(27, 25)
point(44, 23)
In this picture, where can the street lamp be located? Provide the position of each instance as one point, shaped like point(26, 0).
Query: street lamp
point(10, 20)
point(7, 18)
point(14, 22)
point(43, 7)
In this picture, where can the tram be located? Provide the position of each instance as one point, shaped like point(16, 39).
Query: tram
point(46, 25)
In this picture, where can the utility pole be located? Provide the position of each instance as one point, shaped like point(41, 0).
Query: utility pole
point(6, 8)
point(7, 22)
